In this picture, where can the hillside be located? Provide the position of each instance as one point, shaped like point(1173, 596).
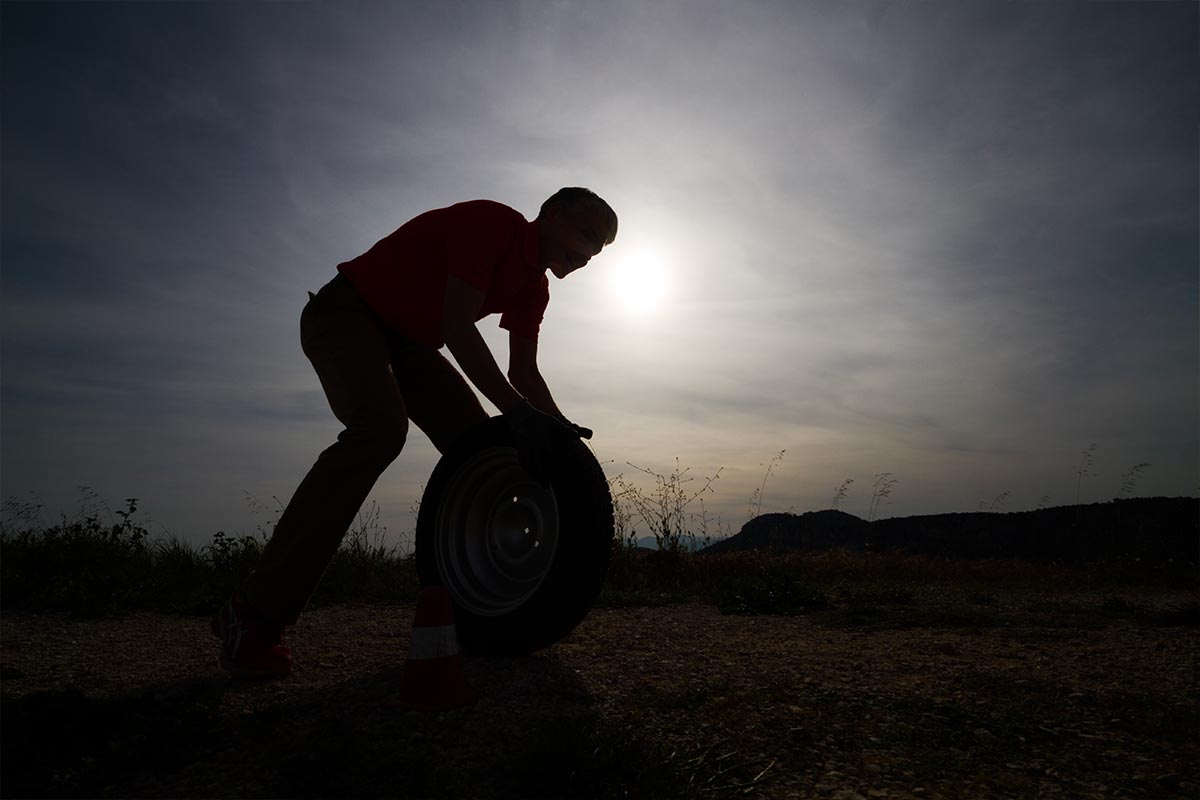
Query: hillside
point(1154, 529)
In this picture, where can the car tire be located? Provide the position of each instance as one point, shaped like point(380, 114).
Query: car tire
point(523, 562)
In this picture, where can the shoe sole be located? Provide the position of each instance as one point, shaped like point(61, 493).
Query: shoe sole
point(240, 670)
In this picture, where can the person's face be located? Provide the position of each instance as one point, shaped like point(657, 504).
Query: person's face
point(569, 239)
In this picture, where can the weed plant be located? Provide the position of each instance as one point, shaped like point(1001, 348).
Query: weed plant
point(103, 562)
point(91, 566)
point(81, 564)
point(368, 570)
point(663, 509)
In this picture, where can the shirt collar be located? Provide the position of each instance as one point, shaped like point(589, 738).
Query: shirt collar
point(531, 250)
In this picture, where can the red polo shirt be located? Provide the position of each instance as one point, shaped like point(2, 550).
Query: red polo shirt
point(490, 246)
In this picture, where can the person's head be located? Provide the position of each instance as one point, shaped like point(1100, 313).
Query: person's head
point(574, 224)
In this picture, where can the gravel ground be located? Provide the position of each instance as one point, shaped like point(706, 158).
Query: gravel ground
point(1013, 694)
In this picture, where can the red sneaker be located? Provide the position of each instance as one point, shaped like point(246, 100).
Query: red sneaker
point(251, 647)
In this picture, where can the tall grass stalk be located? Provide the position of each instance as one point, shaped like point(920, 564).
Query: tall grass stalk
point(840, 494)
point(1130, 478)
point(884, 483)
point(996, 504)
point(1084, 469)
point(756, 499)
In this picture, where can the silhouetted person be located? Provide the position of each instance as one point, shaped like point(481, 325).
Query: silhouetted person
point(373, 335)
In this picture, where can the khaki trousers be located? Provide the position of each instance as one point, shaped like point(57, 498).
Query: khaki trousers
point(375, 382)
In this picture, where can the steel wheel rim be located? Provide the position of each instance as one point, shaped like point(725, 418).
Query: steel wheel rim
point(496, 533)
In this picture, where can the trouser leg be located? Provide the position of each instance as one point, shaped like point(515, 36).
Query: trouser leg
point(439, 400)
point(350, 354)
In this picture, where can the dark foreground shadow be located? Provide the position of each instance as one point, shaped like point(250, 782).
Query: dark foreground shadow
point(533, 733)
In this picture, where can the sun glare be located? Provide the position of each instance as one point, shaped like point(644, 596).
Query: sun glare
point(638, 282)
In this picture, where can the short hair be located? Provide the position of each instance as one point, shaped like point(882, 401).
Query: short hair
point(576, 198)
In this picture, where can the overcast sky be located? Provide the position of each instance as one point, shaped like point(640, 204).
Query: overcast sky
point(956, 241)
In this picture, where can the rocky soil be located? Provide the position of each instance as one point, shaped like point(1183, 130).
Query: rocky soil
point(1048, 694)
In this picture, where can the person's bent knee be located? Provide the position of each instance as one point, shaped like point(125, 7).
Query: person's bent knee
point(386, 441)
point(392, 439)
point(379, 444)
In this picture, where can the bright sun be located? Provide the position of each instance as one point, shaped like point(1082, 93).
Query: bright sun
point(638, 281)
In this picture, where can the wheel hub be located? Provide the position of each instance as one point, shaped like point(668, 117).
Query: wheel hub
point(497, 533)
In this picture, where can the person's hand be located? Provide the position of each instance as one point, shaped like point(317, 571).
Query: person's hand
point(537, 436)
point(578, 430)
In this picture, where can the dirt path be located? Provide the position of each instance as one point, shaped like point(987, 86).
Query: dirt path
point(1017, 697)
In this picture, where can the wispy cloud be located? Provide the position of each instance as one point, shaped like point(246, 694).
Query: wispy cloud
point(954, 241)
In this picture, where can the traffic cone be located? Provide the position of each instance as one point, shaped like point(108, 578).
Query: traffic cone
point(433, 677)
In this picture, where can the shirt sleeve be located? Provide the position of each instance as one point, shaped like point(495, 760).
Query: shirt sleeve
point(477, 240)
point(525, 319)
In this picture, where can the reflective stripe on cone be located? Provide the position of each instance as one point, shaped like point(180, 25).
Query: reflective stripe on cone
point(433, 678)
point(434, 642)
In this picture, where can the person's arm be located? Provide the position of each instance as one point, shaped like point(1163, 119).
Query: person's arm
point(459, 310)
point(524, 376)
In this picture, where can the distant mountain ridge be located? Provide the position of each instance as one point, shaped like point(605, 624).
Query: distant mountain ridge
point(1157, 529)
point(650, 543)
